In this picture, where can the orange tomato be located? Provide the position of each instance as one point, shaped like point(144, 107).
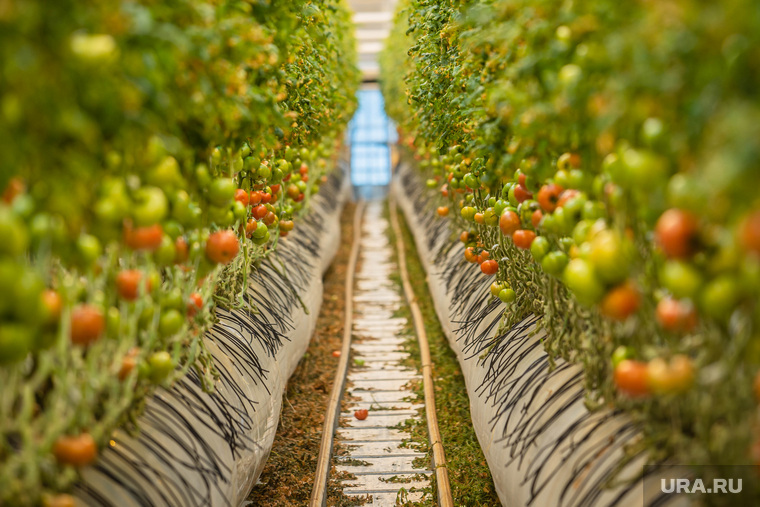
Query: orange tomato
point(489, 267)
point(87, 324)
point(523, 238)
point(77, 451)
point(676, 316)
point(442, 211)
point(630, 378)
point(242, 196)
point(128, 284)
point(509, 222)
point(621, 302)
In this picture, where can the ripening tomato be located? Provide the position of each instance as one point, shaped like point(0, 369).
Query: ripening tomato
point(77, 451)
point(548, 196)
point(87, 324)
point(749, 233)
point(677, 233)
point(621, 302)
point(676, 316)
point(612, 255)
point(509, 222)
point(489, 267)
point(361, 414)
point(484, 255)
point(523, 238)
point(670, 378)
point(223, 246)
point(630, 378)
point(52, 303)
point(182, 250)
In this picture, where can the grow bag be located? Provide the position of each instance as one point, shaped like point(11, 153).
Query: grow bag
point(206, 449)
point(543, 446)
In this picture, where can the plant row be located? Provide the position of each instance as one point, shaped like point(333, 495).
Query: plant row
point(601, 161)
point(153, 154)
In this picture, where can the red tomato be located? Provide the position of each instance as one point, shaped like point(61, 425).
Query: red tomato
point(621, 302)
point(361, 414)
point(77, 451)
point(523, 238)
point(676, 233)
point(548, 196)
point(489, 267)
point(630, 378)
point(195, 304)
point(242, 196)
point(87, 324)
point(255, 198)
point(509, 222)
point(522, 193)
point(259, 212)
point(222, 247)
point(483, 256)
point(143, 238)
point(128, 284)
point(336, 353)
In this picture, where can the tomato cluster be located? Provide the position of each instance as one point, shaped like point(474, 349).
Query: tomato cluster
point(606, 156)
point(153, 153)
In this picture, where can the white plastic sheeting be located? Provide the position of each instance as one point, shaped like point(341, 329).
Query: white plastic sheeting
point(207, 449)
point(544, 448)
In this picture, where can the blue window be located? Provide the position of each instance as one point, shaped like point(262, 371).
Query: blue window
point(370, 134)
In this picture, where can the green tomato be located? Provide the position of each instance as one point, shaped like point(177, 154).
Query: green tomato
point(89, 249)
point(173, 229)
point(554, 263)
point(264, 172)
point(580, 278)
point(261, 230)
point(471, 181)
point(113, 321)
point(681, 278)
point(27, 297)
point(15, 342)
point(166, 252)
point(512, 199)
point(593, 210)
point(160, 366)
point(170, 322)
point(539, 248)
point(499, 206)
point(221, 192)
point(611, 255)
point(173, 299)
point(239, 211)
point(151, 206)
point(431, 183)
point(720, 296)
point(507, 296)
point(621, 354)
point(261, 240)
point(15, 238)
